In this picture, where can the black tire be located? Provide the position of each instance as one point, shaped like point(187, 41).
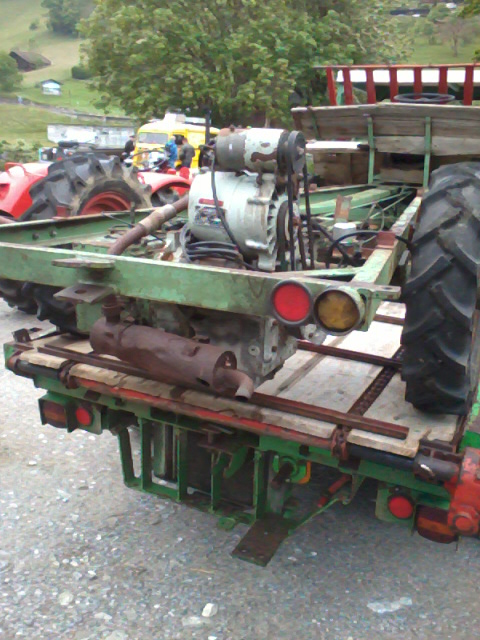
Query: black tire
point(71, 183)
point(440, 335)
point(11, 292)
point(67, 190)
point(164, 196)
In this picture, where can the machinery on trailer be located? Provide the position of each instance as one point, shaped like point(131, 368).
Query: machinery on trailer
point(252, 332)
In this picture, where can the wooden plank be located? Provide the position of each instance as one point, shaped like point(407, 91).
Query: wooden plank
point(441, 146)
point(388, 119)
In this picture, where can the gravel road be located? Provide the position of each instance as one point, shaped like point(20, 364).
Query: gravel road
point(84, 558)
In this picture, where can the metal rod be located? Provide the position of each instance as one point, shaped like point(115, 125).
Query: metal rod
point(332, 89)
point(347, 86)
point(308, 215)
point(263, 400)
point(468, 85)
point(393, 83)
point(347, 354)
point(371, 92)
point(331, 415)
point(389, 319)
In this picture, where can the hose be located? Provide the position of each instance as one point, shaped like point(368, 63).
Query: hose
point(336, 243)
point(149, 224)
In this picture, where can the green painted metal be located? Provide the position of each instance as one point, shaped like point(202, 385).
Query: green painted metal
point(229, 290)
point(428, 151)
point(371, 150)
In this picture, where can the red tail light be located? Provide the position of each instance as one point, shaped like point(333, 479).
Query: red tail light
point(401, 506)
point(84, 416)
point(292, 303)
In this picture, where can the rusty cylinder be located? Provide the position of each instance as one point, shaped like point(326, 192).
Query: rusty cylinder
point(171, 358)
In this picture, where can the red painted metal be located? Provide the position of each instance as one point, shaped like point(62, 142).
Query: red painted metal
point(332, 89)
point(347, 86)
point(442, 79)
point(15, 183)
point(393, 83)
point(161, 181)
point(464, 512)
point(468, 85)
point(105, 201)
point(417, 80)
point(371, 92)
point(393, 79)
point(207, 415)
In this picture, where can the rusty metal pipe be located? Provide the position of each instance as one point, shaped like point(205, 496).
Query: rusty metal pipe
point(152, 222)
point(171, 358)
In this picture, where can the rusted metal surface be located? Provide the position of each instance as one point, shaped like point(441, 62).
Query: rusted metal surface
point(464, 512)
point(363, 404)
point(208, 415)
point(171, 358)
point(331, 415)
point(375, 388)
point(149, 224)
point(262, 540)
point(347, 354)
point(389, 319)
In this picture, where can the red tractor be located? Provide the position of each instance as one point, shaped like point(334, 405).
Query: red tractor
point(82, 184)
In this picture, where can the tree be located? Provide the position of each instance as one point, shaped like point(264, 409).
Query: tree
point(470, 8)
point(10, 77)
point(64, 15)
point(240, 58)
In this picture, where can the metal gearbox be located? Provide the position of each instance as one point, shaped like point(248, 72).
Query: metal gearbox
point(253, 209)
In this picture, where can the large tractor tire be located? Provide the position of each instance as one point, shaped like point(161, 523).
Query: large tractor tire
point(86, 184)
point(441, 333)
point(81, 185)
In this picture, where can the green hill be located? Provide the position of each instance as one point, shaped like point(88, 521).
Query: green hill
point(62, 51)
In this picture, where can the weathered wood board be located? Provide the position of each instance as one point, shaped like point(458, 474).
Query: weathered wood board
point(315, 379)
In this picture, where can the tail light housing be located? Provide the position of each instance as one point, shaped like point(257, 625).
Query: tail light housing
point(339, 310)
point(292, 303)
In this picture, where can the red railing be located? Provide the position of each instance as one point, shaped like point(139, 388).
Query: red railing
point(393, 80)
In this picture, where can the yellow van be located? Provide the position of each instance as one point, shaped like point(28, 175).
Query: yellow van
point(154, 135)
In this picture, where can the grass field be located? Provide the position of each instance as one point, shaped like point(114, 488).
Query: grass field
point(62, 51)
point(29, 123)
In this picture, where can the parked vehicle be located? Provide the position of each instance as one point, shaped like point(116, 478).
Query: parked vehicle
point(258, 342)
point(154, 135)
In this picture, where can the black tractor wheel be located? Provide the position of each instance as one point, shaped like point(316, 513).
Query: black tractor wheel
point(84, 185)
point(81, 185)
point(441, 332)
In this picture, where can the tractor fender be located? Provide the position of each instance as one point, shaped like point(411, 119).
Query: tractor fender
point(15, 183)
point(163, 181)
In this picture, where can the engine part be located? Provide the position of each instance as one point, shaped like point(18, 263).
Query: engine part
point(250, 209)
point(171, 358)
point(148, 224)
point(260, 345)
point(259, 150)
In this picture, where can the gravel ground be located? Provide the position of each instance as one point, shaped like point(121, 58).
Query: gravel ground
point(84, 558)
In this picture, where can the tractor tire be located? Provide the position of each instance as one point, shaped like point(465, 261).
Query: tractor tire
point(84, 184)
point(441, 331)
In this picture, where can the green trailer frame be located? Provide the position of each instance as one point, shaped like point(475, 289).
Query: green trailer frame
point(241, 467)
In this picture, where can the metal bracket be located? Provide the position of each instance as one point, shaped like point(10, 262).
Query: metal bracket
point(88, 293)
point(428, 151)
point(84, 263)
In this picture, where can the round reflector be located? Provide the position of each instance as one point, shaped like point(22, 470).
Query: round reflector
point(83, 416)
point(338, 311)
point(292, 303)
point(401, 507)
